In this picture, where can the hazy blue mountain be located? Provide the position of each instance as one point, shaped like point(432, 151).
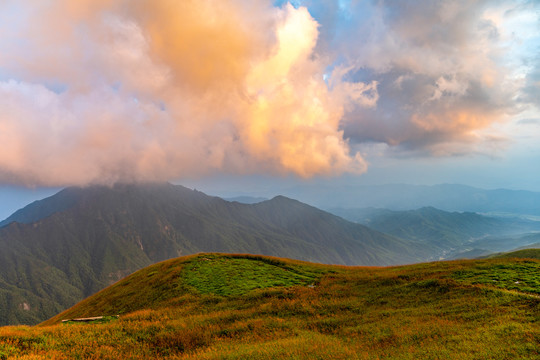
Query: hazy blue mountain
point(469, 254)
point(40, 209)
point(455, 234)
point(526, 253)
point(59, 250)
point(408, 197)
point(14, 197)
point(501, 243)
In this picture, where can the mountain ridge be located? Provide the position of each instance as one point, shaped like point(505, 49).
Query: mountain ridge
point(448, 231)
point(448, 197)
point(109, 232)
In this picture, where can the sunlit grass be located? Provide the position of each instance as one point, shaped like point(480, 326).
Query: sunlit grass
point(520, 275)
point(237, 276)
point(424, 311)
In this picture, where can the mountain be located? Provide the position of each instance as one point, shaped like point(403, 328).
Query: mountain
point(452, 233)
point(224, 306)
point(531, 253)
point(59, 250)
point(14, 197)
point(498, 243)
point(246, 199)
point(448, 197)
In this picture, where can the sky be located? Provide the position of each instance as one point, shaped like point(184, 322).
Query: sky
point(239, 95)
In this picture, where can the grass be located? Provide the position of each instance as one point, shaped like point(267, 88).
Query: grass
point(187, 309)
point(523, 276)
point(236, 276)
point(522, 254)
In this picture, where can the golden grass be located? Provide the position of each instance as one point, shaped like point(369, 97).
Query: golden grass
point(422, 311)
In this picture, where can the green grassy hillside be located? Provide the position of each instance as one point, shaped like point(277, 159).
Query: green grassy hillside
point(213, 306)
point(522, 254)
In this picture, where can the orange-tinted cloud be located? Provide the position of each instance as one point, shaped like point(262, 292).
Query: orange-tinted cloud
point(156, 90)
point(125, 90)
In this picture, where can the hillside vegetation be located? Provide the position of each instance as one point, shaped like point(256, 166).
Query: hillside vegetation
point(88, 238)
point(448, 197)
point(215, 306)
point(522, 254)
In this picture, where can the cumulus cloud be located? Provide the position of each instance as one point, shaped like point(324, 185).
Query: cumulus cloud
point(105, 91)
point(140, 90)
point(531, 90)
point(446, 71)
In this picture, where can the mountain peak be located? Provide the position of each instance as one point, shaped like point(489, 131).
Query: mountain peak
point(282, 198)
point(71, 196)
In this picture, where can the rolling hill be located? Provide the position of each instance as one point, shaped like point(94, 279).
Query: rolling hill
point(533, 253)
point(224, 306)
point(62, 249)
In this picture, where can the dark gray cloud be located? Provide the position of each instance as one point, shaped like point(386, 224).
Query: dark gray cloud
point(531, 90)
point(529, 122)
point(441, 68)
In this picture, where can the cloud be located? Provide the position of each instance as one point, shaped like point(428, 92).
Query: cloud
point(445, 72)
point(106, 91)
point(528, 122)
point(531, 90)
point(140, 90)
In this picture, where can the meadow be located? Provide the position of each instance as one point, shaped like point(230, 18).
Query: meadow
point(217, 306)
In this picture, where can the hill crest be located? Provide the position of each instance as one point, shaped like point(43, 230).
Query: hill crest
point(217, 275)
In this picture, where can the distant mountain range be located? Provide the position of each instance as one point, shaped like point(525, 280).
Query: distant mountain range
point(57, 251)
point(446, 197)
point(454, 234)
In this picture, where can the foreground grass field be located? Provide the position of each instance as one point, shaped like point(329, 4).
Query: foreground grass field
point(213, 306)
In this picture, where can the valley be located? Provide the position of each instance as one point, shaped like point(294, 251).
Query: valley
point(452, 235)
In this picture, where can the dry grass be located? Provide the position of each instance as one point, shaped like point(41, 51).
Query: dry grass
point(425, 311)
